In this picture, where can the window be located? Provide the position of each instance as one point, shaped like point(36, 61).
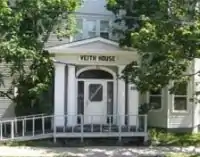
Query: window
point(180, 96)
point(91, 26)
point(80, 98)
point(104, 29)
point(95, 74)
point(95, 92)
point(155, 99)
point(110, 95)
point(79, 25)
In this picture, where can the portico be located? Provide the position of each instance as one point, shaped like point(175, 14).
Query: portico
point(87, 83)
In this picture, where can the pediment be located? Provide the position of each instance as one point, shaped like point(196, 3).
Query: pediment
point(93, 44)
point(97, 45)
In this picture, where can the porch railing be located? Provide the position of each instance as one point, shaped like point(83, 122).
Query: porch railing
point(70, 126)
point(6, 122)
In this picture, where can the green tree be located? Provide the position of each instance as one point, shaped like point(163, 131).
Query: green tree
point(25, 27)
point(166, 34)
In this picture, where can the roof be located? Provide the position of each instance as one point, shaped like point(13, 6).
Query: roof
point(93, 45)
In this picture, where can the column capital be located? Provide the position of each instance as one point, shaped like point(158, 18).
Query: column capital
point(57, 64)
point(70, 65)
point(121, 68)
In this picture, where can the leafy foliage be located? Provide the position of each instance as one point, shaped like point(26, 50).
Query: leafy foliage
point(25, 27)
point(145, 108)
point(166, 35)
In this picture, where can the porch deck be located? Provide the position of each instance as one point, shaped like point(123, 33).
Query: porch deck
point(40, 127)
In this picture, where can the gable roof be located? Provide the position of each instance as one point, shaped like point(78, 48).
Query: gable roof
point(85, 41)
point(96, 44)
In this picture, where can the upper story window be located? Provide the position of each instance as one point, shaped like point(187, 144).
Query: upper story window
point(92, 28)
point(104, 29)
point(89, 28)
point(155, 99)
point(180, 96)
point(79, 25)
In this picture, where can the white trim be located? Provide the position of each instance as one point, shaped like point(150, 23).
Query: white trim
point(86, 30)
point(173, 111)
point(59, 94)
point(110, 27)
point(99, 16)
point(85, 41)
point(114, 80)
point(109, 31)
point(115, 101)
point(121, 96)
point(69, 48)
point(96, 68)
point(102, 104)
point(77, 51)
point(71, 94)
point(162, 100)
point(90, 79)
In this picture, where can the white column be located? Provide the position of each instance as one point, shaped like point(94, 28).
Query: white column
point(71, 98)
point(121, 97)
point(133, 104)
point(59, 95)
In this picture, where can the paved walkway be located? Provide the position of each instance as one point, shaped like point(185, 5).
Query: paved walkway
point(93, 151)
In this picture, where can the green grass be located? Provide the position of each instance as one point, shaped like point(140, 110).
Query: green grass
point(39, 143)
point(174, 139)
point(181, 155)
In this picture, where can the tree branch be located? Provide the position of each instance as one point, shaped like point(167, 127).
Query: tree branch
point(192, 73)
point(49, 30)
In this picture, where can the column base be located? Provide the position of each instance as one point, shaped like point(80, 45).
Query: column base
point(59, 121)
point(132, 120)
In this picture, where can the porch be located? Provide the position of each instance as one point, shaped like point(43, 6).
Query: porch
point(40, 127)
point(87, 81)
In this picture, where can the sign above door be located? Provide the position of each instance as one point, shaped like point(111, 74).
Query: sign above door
point(97, 58)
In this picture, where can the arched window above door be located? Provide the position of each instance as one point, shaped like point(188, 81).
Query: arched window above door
point(95, 74)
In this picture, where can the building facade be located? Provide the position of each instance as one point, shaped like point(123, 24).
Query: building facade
point(87, 79)
point(173, 111)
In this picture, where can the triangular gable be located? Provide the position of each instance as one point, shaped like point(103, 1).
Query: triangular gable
point(91, 41)
point(97, 43)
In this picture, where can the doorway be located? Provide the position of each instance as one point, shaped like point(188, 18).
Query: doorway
point(95, 106)
point(95, 96)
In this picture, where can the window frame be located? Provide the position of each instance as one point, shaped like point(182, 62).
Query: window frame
point(80, 30)
point(99, 89)
point(103, 31)
point(180, 96)
point(88, 31)
point(156, 95)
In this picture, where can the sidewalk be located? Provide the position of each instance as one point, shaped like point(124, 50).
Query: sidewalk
point(93, 151)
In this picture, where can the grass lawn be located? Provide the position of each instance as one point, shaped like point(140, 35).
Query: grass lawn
point(181, 155)
point(163, 138)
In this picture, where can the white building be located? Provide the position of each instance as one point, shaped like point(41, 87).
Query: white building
point(87, 82)
point(86, 70)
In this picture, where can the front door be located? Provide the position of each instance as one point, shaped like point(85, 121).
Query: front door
point(95, 107)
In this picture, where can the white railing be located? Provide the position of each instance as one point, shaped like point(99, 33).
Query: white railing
point(16, 120)
point(82, 126)
point(21, 117)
